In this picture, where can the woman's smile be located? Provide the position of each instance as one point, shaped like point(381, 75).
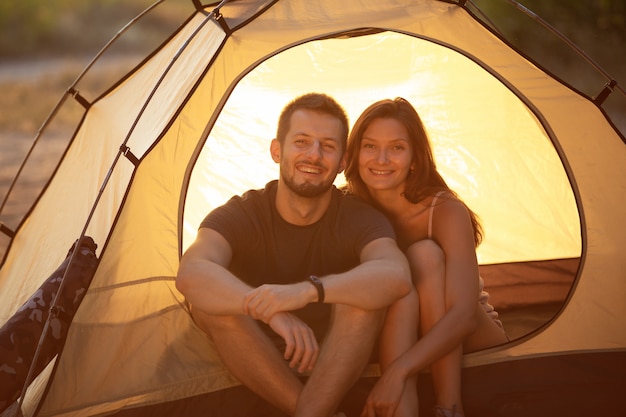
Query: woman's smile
point(385, 155)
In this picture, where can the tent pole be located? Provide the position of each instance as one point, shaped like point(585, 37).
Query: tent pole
point(123, 151)
point(71, 91)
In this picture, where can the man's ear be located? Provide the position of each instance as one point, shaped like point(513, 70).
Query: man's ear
point(275, 150)
point(342, 163)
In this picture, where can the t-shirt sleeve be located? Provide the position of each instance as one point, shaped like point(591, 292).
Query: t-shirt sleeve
point(228, 220)
point(365, 224)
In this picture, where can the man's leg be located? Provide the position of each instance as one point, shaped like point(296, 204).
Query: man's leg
point(252, 358)
point(343, 357)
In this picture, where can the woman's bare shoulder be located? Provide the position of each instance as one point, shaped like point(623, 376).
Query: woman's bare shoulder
point(451, 219)
point(449, 203)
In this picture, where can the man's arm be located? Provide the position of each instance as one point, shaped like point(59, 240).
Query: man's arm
point(203, 277)
point(212, 290)
point(382, 277)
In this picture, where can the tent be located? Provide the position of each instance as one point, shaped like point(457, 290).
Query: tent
point(538, 160)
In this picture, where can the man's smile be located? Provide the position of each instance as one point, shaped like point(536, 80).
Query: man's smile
point(309, 169)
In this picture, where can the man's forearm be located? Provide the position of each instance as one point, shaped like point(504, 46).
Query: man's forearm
point(211, 288)
point(370, 286)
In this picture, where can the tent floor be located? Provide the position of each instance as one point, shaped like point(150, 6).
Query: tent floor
point(573, 385)
point(521, 321)
point(561, 385)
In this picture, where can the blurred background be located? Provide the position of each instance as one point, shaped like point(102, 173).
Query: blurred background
point(45, 44)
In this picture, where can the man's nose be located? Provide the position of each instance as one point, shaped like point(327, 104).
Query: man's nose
point(315, 150)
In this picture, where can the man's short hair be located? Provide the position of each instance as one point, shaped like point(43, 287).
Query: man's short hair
point(317, 102)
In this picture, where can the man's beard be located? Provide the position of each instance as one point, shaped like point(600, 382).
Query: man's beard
point(306, 189)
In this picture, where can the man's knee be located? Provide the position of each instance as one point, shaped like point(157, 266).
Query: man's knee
point(213, 324)
point(358, 320)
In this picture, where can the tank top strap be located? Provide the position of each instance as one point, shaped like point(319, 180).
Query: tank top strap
point(430, 213)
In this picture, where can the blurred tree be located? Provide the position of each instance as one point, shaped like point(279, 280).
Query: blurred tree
point(33, 28)
point(38, 28)
point(598, 27)
point(30, 26)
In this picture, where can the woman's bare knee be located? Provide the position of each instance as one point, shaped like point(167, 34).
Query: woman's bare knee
point(426, 259)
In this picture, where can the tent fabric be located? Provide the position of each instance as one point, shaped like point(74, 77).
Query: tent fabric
point(538, 161)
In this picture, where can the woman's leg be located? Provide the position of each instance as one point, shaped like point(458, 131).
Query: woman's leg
point(427, 262)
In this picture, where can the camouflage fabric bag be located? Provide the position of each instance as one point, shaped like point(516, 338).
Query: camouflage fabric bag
point(20, 335)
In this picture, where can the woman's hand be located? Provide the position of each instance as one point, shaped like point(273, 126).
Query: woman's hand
point(384, 398)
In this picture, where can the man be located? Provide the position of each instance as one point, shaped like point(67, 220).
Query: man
point(276, 271)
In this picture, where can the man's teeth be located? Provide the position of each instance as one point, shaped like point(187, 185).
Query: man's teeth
point(310, 170)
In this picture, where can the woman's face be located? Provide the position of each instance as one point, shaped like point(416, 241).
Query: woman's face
point(385, 155)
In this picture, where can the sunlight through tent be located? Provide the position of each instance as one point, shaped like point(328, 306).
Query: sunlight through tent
point(533, 220)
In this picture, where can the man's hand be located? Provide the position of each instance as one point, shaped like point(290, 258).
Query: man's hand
point(301, 346)
point(263, 302)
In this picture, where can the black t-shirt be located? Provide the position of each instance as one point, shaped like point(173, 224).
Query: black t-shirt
point(268, 250)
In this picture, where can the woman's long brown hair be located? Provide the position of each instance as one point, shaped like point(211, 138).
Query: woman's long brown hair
point(424, 180)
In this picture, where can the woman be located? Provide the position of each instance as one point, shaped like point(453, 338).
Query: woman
point(390, 164)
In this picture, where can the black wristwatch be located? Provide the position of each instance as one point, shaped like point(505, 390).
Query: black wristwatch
point(317, 283)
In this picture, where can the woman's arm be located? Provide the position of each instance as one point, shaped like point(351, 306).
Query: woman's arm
point(453, 233)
